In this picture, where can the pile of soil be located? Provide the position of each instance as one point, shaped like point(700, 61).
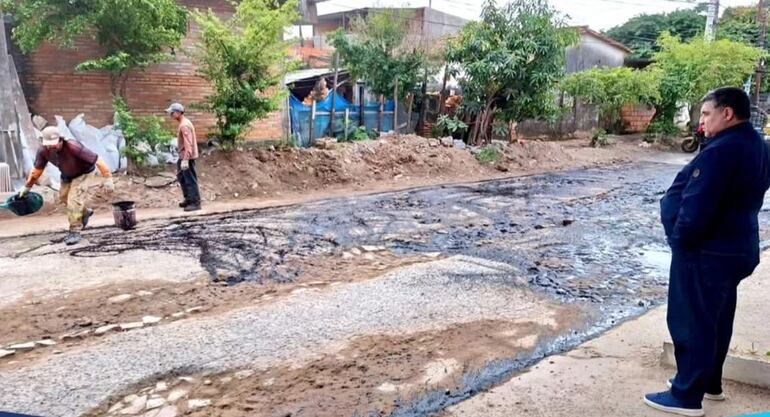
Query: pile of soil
point(392, 162)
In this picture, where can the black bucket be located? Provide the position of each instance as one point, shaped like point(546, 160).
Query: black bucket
point(124, 214)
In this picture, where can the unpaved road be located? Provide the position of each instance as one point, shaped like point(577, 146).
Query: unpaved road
point(562, 256)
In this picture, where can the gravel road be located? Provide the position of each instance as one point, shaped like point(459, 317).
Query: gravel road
point(416, 298)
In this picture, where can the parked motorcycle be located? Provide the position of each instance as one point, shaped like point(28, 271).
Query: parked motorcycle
point(692, 144)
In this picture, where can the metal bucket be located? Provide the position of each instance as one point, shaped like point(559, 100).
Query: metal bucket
point(124, 214)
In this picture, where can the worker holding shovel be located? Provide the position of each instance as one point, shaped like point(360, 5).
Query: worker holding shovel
point(78, 166)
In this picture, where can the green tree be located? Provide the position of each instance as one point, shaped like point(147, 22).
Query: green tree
point(245, 59)
point(133, 33)
point(612, 88)
point(509, 63)
point(690, 70)
point(739, 24)
point(642, 32)
point(382, 50)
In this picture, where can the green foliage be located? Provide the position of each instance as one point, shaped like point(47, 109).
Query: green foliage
point(245, 60)
point(739, 24)
point(144, 136)
point(450, 125)
point(690, 70)
point(600, 139)
point(510, 62)
point(641, 32)
point(612, 88)
point(133, 33)
point(380, 51)
point(354, 132)
point(501, 129)
point(488, 155)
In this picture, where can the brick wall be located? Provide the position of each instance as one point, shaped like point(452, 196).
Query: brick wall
point(637, 118)
point(53, 87)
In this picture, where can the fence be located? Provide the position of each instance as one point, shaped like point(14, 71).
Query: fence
point(311, 122)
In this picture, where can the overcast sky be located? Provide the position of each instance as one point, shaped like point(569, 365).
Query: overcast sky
point(599, 14)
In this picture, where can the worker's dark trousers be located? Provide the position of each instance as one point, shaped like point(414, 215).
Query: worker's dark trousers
point(701, 307)
point(188, 180)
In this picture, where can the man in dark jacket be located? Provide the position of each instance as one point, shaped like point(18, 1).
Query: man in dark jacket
point(710, 218)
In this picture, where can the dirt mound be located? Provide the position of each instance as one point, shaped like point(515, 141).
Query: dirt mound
point(392, 162)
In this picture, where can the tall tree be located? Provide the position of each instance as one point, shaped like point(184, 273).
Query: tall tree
point(245, 59)
point(509, 62)
point(382, 49)
point(642, 32)
point(133, 33)
point(690, 70)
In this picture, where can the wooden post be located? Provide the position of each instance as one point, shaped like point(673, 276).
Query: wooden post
point(410, 104)
point(7, 108)
point(312, 123)
point(395, 107)
point(361, 119)
point(334, 92)
point(347, 122)
point(25, 118)
point(381, 113)
point(441, 98)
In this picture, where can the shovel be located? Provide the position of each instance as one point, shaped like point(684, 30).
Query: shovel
point(23, 206)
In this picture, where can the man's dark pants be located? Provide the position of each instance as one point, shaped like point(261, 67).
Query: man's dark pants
point(701, 308)
point(188, 180)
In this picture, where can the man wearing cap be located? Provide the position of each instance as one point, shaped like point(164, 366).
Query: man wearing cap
point(187, 143)
point(78, 167)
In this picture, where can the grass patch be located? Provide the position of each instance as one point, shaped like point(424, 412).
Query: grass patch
point(488, 155)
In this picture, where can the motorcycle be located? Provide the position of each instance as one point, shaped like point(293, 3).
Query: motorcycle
point(692, 144)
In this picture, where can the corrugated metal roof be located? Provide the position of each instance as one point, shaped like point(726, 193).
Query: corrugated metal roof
point(300, 75)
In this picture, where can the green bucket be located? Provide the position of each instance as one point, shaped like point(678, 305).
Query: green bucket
point(23, 206)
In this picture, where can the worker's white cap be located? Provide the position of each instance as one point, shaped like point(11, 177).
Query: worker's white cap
point(51, 136)
point(176, 107)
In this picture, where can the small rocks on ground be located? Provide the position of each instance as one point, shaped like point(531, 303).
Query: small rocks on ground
point(136, 406)
point(177, 394)
point(161, 386)
point(45, 342)
point(194, 310)
point(151, 319)
point(144, 293)
point(22, 346)
point(178, 314)
point(105, 329)
point(356, 251)
point(122, 298)
point(132, 326)
point(244, 374)
point(197, 403)
point(155, 403)
point(168, 411)
point(4, 353)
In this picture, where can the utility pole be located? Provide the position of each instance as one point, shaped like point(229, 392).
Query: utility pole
point(762, 22)
point(711, 19)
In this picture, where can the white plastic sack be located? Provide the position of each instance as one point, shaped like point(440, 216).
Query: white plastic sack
point(110, 142)
point(64, 131)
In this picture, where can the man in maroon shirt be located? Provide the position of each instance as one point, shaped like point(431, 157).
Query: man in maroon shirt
point(78, 167)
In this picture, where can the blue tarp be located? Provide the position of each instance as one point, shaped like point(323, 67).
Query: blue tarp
point(301, 114)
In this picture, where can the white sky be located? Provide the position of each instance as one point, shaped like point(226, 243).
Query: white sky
point(598, 14)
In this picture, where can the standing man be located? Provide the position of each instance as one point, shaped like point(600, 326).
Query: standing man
point(710, 217)
point(78, 167)
point(187, 143)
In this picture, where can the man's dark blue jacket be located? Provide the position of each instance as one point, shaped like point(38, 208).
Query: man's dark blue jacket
point(714, 201)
